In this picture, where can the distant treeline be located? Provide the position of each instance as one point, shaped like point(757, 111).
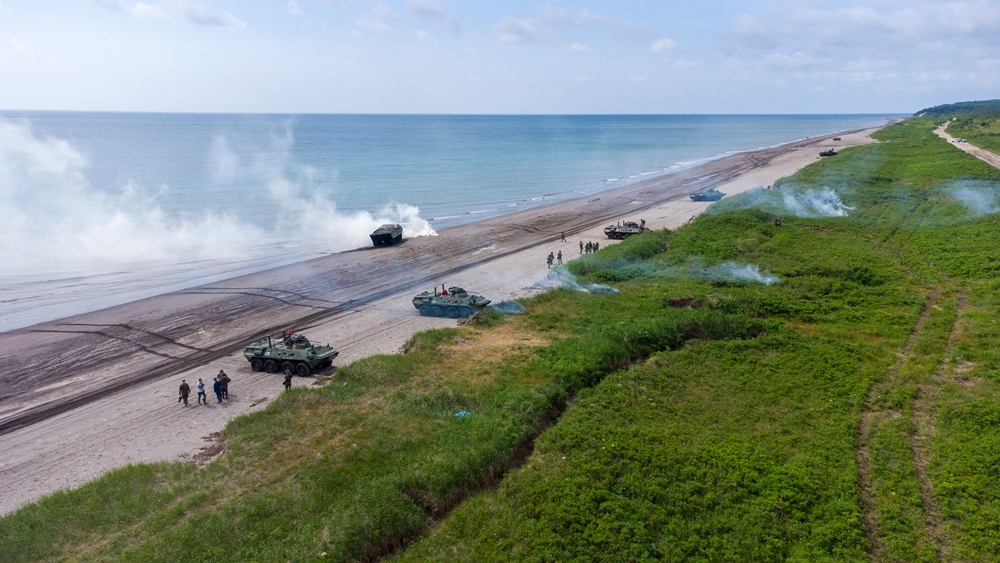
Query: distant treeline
point(984, 106)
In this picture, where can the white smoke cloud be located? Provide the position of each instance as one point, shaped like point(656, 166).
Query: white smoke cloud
point(56, 222)
point(812, 203)
point(561, 277)
point(732, 271)
point(980, 200)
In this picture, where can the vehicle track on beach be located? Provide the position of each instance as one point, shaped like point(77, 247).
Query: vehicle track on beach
point(114, 349)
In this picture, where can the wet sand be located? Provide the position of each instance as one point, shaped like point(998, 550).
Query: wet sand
point(90, 393)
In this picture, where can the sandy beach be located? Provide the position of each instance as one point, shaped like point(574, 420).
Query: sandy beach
point(93, 392)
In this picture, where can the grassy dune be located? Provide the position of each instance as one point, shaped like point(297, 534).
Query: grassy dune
point(846, 413)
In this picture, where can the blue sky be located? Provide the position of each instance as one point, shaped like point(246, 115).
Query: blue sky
point(473, 56)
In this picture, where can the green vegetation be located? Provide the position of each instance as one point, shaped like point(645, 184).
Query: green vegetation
point(982, 130)
point(847, 413)
point(974, 108)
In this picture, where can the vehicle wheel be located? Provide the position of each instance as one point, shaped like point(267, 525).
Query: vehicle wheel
point(303, 369)
point(271, 366)
point(437, 311)
point(257, 364)
point(287, 366)
point(452, 312)
point(425, 310)
point(465, 312)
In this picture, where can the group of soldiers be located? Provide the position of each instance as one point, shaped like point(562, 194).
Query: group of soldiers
point(220, 386)
point(589, 248)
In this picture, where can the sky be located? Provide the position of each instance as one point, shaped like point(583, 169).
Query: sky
point(497, 57)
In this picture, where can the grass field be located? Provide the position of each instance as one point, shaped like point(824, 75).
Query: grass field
point(845, 411)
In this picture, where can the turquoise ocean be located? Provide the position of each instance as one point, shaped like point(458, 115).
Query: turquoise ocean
point(105, 208)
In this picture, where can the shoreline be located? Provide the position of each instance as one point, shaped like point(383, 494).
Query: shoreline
point(60, 426)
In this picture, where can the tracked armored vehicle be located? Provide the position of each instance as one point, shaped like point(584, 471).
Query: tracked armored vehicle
point(292, 352)
point(625, 230)
point(387, 234)
point(453, 303)
point(710, 194)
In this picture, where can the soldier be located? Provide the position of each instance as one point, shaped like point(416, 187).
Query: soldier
point(225, 384)
point(581, 247)
point(217, 387)
point(559, 257)
point(288, 379)
point(562, 236)
point(185, 390)
point(590, 247)
point(550, 259)
point(596, 245)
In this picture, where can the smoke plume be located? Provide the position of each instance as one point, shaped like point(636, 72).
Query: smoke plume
point(561, 277)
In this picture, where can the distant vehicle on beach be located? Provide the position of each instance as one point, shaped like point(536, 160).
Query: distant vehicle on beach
point(291, 352)
point(625, 230)
point(836, 138)
point(387, 234)
point(453, 303)
point(830, 152)
point(710, 194)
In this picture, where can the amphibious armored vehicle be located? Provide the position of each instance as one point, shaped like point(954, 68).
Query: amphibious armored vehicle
point(830, 152)
point(626, 229)
point(292, 352)
point(387, 234)
point(710, 194)
point(453, 303)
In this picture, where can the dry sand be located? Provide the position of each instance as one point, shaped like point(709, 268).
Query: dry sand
point(104, 393)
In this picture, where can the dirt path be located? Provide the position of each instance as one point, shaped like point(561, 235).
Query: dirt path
point(872, 414)
point(104, 392)
point(925, 409)
point(986, 156)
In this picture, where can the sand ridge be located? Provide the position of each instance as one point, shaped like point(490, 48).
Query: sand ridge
point(105, 394)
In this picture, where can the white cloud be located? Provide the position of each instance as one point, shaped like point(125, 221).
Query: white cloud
point(381, 18)
point(429, 10)
point(663, 45)
point(20, 46)
point(577, 78)
point(113, 5)
point(578, 48)
point(188, 11)
point(422, 35)
point(474, 78)
point(4, 9)
point(513, 30)
point(561, 17)
point(356, 33)
point(293, 8)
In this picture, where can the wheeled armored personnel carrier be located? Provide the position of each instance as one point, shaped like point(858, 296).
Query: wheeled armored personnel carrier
point(292, 352)
point(710, 194)
point(453, 303)
point(626, 229)
point(387, 234)
point(830, 152)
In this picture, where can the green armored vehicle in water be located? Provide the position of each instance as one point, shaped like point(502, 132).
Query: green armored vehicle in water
point(453, 303)
point(292, 352)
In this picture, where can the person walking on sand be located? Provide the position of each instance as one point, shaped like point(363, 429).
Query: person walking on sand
point(201, 391)
point(185, 390)
point(550, 259)
point(562, 236)
point(559, 257)
point(217, 387)
point(288, 379)
point(581, 248)
point(596, 246)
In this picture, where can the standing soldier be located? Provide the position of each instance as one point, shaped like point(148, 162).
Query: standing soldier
point(550, 259)
point(288, 379)
point(581, 247)
point(596, 246)
point(562, 236)
point(217, 387)
point(185, 390)
point(225, 384)
point(559, 257)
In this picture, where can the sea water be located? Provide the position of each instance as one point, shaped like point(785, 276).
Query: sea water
point(104, 208)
